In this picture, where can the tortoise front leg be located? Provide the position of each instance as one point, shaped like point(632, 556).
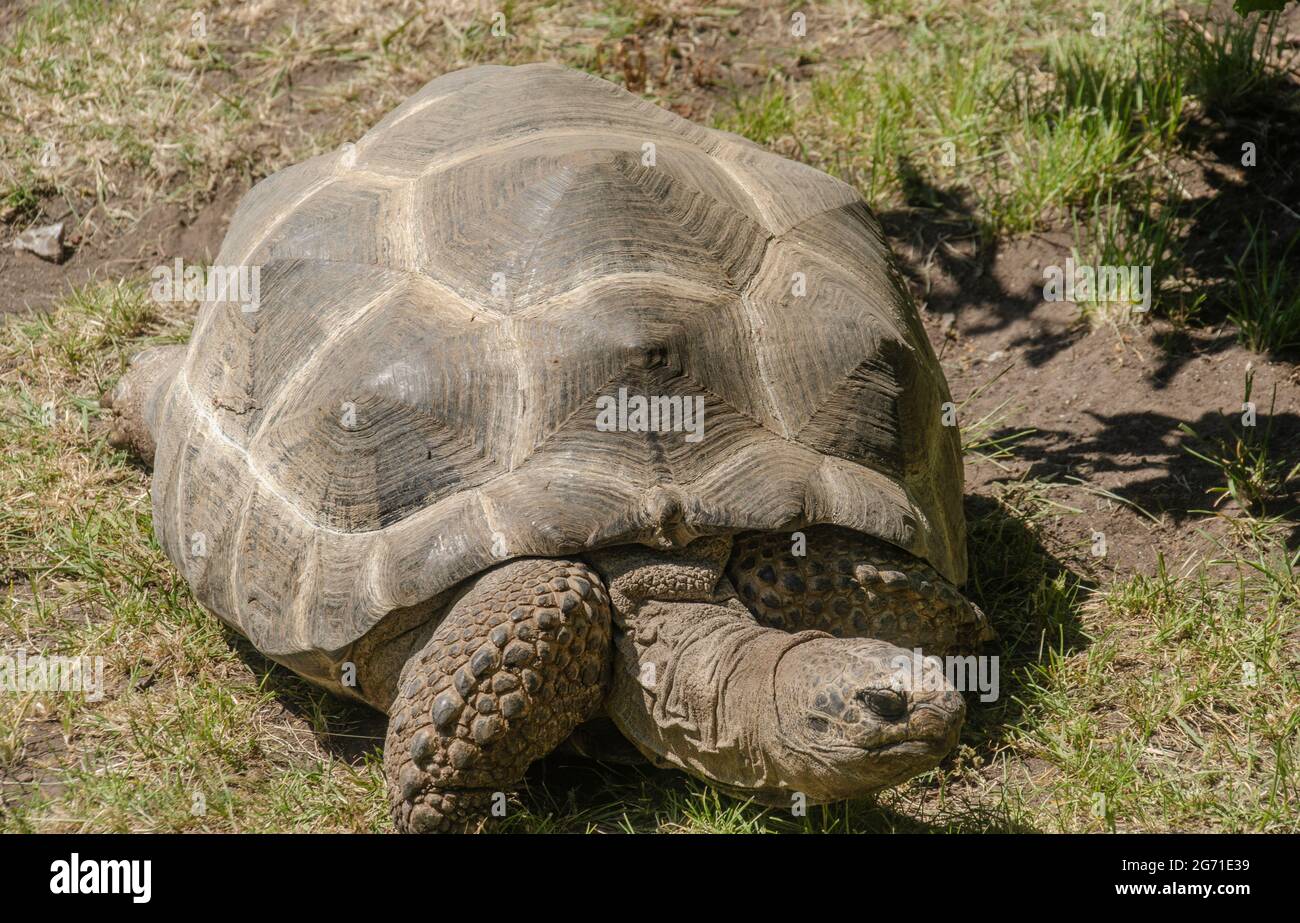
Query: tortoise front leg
point(853, 586)
point(519, 661)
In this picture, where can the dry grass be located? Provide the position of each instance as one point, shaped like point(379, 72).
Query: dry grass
point(117, 105)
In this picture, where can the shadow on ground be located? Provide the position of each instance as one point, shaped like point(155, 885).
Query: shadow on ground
point(346, 730)
point(1154, 456)
point(984, 281)
point(1032, 598)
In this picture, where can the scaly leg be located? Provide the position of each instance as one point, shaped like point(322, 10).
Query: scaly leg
point(519, 661)
point(134, 398)
point(852, 586)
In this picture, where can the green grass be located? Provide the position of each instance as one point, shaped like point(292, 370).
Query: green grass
point(1138, 88)
point(182, 115)
point(1252, 474)
point(1143, 231)
point(1015, 131)
point(958, 108)
point(1197, 705)
point(1229, 67)
point(1263, 297)
point(184, 715)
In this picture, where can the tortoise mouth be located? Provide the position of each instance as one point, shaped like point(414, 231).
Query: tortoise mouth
point(911, 747)
point(859, 772)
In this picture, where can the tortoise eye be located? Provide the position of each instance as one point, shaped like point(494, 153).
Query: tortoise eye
point(884, 702)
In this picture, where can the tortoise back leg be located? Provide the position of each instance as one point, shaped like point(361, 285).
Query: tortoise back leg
point(135, 397)
point(519, 661)
point(853, 586)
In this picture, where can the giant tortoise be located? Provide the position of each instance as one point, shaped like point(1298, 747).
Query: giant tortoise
point(554, 410)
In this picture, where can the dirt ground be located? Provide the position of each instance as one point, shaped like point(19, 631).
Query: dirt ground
point(1103, 406)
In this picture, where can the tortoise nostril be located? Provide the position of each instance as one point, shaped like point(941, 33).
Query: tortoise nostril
point(884, 702)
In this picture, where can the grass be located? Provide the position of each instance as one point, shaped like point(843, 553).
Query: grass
point(1251, 475)
point(1205, 717)
point(1025, 142)
point(1138, 88)
point(185, 721)
point(1264, 294)
point(1230, 66)
point(264, 86)
point(1014, 130)
point(1144, 233)
point(1130, 701)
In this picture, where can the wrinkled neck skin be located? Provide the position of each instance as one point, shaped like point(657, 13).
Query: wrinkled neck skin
point(705, 677)
point(699, 685)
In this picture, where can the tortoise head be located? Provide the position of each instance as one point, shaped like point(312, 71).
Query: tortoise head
point(863, 714)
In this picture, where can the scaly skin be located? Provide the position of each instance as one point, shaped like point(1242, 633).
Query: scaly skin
point(137, 389)
point(852, 586)
point(517, 663)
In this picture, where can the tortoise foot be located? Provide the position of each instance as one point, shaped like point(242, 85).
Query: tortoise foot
point(135, 395)
point(519, 661)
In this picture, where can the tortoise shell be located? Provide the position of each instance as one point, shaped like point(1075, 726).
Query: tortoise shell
point(446, 307)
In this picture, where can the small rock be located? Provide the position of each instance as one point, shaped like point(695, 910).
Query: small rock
point(994, 356)
point(144, 681)
point(46, 242)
